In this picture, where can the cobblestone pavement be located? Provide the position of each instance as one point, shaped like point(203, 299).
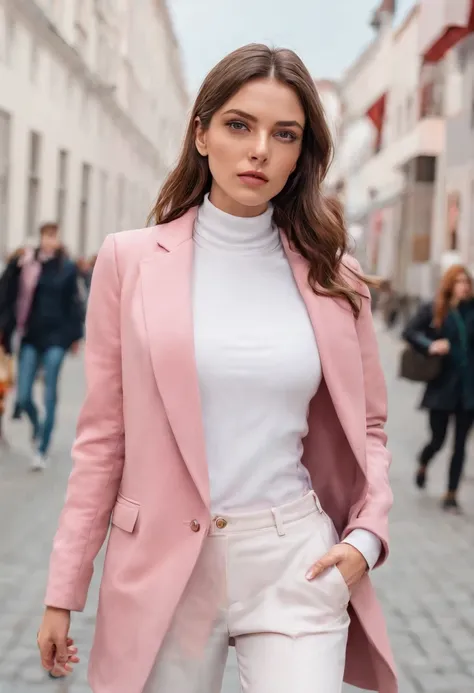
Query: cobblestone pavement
point(427, 588)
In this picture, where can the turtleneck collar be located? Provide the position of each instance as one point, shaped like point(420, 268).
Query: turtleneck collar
point(215, 229)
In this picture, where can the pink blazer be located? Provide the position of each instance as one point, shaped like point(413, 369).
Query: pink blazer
point(139, 456)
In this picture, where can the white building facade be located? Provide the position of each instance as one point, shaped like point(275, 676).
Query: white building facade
point(92, 113)
point(394, 178)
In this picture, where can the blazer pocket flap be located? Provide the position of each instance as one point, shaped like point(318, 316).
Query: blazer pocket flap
point(125, 515)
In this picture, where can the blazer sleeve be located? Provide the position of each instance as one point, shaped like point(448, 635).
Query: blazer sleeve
point(98, 451)
point(372, 513)
point(416, 331)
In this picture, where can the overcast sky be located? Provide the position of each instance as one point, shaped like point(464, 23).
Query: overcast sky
point(327, 34)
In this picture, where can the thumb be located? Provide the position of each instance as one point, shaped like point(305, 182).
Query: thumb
point(328, 560)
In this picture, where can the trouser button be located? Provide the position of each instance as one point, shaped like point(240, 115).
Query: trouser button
point(221, 523)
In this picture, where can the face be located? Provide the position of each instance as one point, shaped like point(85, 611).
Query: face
point(252, 144)
point(462, 287)
point(50, 240)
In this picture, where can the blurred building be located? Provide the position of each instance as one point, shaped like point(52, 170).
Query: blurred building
point(405, 157)
point(92, 107)
point(448, 43)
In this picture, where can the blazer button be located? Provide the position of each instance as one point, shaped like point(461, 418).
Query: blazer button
point(195, 526)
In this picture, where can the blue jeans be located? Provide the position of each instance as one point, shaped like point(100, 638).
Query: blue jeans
point(28, 364)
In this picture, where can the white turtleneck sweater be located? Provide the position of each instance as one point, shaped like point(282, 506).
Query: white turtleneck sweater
point(258, 365)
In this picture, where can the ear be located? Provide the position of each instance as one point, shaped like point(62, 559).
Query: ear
point(200, 138)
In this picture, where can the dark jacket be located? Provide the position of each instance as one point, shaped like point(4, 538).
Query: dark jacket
point(56, 314)
point(454, 387)
point(9, 282)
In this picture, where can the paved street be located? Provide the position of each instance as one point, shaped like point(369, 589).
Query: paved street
point(427, 588)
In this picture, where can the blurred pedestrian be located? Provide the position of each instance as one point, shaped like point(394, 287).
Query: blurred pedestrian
point(445, 328)
point(43, 307)
point(6, 381)
point(207, 339)
point(8, 283)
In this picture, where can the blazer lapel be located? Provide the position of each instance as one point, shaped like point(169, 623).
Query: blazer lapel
point(334, 329)
point(166, 286)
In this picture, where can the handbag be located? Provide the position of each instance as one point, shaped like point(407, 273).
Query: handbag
point(418, 367)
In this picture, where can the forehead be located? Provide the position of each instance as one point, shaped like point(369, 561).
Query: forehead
point(267, 99)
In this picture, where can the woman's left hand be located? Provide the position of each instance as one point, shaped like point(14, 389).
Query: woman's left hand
point(350, 562)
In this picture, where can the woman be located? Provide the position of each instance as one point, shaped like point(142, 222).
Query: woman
point(215, 344)
point(39, 300)
point(446, 328)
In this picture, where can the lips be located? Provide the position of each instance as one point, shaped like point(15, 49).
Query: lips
point(257, 175)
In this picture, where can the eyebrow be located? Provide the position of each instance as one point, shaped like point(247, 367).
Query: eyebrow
point(253, 119)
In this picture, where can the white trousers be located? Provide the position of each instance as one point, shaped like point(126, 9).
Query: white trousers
point(249, 588)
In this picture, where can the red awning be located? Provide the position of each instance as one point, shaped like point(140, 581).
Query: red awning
point(376, 113)
point(448, 39)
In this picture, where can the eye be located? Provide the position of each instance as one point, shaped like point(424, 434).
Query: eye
point(287, 135)
point(237, 125)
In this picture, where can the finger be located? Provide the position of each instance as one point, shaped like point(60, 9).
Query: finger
point(57, 672)
point(47, 658)
point(328, 560)
point(61, 651)
point(70, 642)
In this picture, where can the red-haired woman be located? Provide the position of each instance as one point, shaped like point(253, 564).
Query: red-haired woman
point(446, 328)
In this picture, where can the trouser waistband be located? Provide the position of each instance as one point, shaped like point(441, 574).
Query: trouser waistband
point(261, 519)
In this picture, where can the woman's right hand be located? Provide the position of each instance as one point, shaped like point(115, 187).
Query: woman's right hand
point(56, 648)
point(440, 347)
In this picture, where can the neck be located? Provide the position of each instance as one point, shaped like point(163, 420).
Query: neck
point(218, 230)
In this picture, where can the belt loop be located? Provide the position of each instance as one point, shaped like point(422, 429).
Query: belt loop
point(278, 522)
point(318, 503)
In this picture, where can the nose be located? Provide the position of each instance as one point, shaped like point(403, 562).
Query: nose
point(260, 148)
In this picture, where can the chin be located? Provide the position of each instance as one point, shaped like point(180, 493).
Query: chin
point(251, 198)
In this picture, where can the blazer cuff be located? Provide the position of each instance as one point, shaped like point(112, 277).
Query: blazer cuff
point(367, 543)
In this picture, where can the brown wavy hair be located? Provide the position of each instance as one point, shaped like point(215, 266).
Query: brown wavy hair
point(445, 292)
point(313, 222)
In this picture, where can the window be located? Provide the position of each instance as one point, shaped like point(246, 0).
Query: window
point(3, 33)
point(53, 76)
point(409, 111)
point(103, 205)
point(7, 35)
point(453, 209)
point(61, 192)
point(425, 169)
point(4, 178)
point(472, 106)
point(34, 164)
point(80, 28)
point(102, 57)
point(10, 39)
point(471, 234)
point(34, 60)
point(120, 202)
point(84, 209)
